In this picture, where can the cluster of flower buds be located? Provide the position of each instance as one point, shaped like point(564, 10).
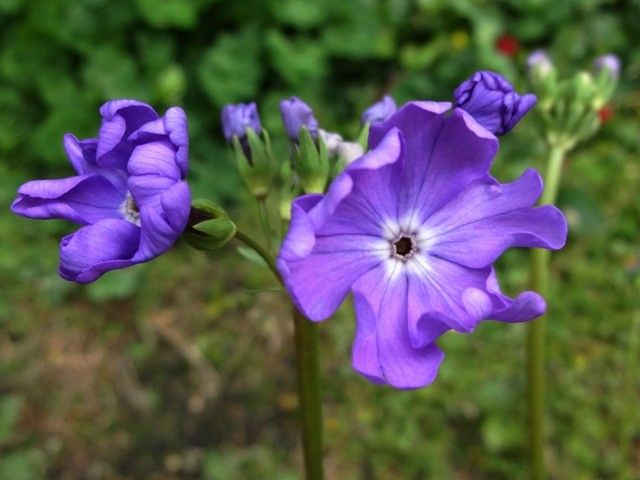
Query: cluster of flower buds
point(570, 107)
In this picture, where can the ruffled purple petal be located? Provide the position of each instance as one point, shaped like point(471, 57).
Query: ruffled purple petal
point(319, 271)
point(84, 199)
point(487, 218)
point(119, 119)
point(382, 350)
point(442, 155)
point(81, 153)
point(163, 221)
point(96, 249)
point(443, 295)
point(155, 158)
point(526, 306)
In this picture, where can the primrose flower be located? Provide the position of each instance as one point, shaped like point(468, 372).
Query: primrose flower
point(380, 111)
point(129, 194)
point(412, 229)
point(608, 62)
point(237, 118)
point(295, 115)
point(492, 101)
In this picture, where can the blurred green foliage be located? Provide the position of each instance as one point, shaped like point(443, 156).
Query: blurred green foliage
point(182, 368)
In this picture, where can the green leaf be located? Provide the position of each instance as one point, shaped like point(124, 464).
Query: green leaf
point(170, 13)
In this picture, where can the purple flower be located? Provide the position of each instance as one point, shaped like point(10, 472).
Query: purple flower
point(295, 115)
point(237, 118)
point(608, 62)
point(412, 229)
point(492, 101)
point(129, 194)
point(380, 111)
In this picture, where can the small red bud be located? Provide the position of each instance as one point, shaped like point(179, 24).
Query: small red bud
point(507, 45)
point(605, 114)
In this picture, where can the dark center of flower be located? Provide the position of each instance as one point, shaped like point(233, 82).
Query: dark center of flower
point(403, 246)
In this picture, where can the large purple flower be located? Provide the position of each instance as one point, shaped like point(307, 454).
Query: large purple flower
point(129, 194)
point(412, 229)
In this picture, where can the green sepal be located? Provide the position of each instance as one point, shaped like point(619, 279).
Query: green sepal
point(209, 226)
point(257, 172)
point(312, 163)
point(363, 136)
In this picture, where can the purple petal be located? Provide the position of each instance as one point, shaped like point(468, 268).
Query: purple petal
point(154, 158)
point(487, 218)
point(96, 249)
point(526, 306)
point(83, 199)
point(442, 155)
point(382, 350)
point(443, 295)
point(119, 119)
point(81, 153)
point(163, 221)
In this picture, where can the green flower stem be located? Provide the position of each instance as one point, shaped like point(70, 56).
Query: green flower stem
point(308, 366)
point(264, 221)
point(536, 329)
point(260, 250)
point(308, 374)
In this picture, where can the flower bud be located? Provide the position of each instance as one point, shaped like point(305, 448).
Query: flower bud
point(380, 111)
point(539, 64)
point(295, 115)
point(492, 101)
point(609, 63)
point(209, 226)
point(236, 119)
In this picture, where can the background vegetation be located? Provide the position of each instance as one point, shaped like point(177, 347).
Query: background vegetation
point(182, 368)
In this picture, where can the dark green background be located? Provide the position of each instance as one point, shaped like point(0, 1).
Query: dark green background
point(182, 368)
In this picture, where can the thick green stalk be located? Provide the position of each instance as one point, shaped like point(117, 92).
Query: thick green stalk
point(536, 329)
point(310, 407)
point(308, 375)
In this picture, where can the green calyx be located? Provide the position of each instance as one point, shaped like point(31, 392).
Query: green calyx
point(312, 164)
point(209, 226)
point(258, 170)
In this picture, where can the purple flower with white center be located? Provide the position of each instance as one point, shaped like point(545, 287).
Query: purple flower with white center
point(237, 118)
point(412, 229)
point(492, 101)
point(608, 62)
point(129, 195)
point(380, 111)
point(295, 115)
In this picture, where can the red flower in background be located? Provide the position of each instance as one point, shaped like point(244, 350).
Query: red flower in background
point(507, 45)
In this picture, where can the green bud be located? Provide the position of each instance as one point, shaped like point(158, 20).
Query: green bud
point(258, 170)
point(209, 226)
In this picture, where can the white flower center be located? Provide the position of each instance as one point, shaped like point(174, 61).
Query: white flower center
point(129, 210)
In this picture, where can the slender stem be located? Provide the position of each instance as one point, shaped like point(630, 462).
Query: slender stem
point(308, 375)
point(310, 408)
point(260, 250)
point(264, 221)
point(536, 329)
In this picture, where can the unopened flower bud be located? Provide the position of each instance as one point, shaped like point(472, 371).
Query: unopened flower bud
point(539, 64)
point(236, 119)
point(295, 115)
point(380, 111)
point(492, 101)
point(609, 63)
